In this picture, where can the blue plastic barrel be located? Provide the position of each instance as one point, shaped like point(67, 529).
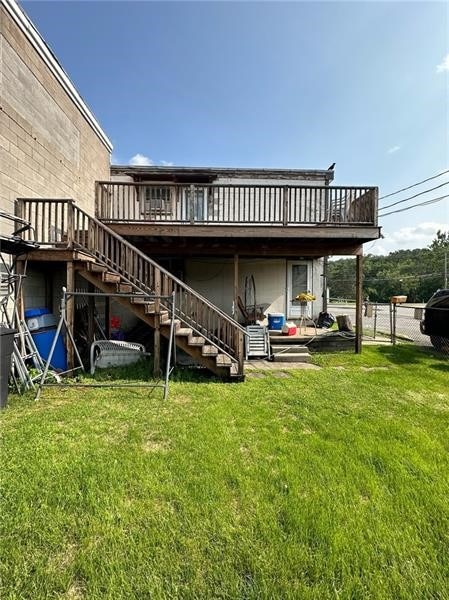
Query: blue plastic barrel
point(43, 327)
point(276, 321)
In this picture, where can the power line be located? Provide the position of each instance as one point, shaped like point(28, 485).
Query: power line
point(414, 185)
point(432, 201)
point(414, 196)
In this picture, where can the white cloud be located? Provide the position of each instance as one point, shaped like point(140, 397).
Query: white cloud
point(393, 149)
point(115, 160)
point(139, 160)
point(406, 238)
point(166, 163)
point(444, 65)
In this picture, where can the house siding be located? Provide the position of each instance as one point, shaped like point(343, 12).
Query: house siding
point(214, 279)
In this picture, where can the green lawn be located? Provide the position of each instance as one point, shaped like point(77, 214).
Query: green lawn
point(330, 483)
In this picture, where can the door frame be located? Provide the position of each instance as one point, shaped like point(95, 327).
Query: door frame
point(294, 311)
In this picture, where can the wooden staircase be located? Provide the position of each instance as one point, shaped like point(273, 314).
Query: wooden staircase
point(112, 264)
point(197, 346)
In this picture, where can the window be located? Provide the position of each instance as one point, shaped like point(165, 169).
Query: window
point(156, 201)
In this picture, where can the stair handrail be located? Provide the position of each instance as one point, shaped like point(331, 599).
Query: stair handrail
point(78, 239)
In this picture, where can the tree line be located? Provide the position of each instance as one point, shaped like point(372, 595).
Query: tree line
point(416, 273)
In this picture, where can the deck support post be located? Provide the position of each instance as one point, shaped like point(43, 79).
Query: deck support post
point(235, 303)
point(358, 303)
point(107, 317)
point(157, 325)
point(325, 265)
point(90, 315)
point(70, 313)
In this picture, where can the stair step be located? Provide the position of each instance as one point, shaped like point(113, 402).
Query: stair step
point(109, 277)
point(289, 349)
point(223, 361)
point(291, 357)
point(95, 268)
point(149, 310)
point(208, 350)
point(141, 300)
point(124, 288)
point(234, 370)
point(196, 340)
point(184, 331)
point(168, 323)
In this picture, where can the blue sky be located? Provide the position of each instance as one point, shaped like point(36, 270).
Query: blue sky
point(270, 84)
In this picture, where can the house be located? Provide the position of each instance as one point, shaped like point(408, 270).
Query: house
point(199, 233)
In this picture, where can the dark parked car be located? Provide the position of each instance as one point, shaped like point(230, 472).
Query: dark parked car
point(436, 320)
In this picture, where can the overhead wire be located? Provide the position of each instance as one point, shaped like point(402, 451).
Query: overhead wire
point(431, 201)
point(414, 185)
point(414, 196)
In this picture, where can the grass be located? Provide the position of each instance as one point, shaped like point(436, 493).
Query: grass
point(330, 483)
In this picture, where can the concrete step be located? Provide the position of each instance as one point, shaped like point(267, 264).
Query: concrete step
point(291, 357)
point(292, 349)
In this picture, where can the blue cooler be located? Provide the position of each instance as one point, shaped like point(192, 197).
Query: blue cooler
point(276, 321)
point(42, 325)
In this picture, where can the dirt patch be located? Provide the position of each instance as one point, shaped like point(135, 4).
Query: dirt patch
point(75, 591)
point(155, 445)
point(181, 399)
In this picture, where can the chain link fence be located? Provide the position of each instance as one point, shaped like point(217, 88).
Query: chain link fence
point(394, 323)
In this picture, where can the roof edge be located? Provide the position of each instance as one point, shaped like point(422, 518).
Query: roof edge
point(154, 169)
point(37, 41)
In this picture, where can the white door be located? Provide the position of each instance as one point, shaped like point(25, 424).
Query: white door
point(299, 279)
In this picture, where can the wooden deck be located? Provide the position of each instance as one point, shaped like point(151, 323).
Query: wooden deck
point(276, 207)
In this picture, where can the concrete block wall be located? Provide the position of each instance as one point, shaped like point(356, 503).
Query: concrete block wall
point(47, 146)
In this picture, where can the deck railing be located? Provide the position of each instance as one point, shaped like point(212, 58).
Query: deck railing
point(130, 202)
point(62, 224)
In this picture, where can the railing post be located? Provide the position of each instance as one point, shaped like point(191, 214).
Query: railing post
point(97, 201)
point(240, 352)
point(19, 208)
point(285, 206)
point(192, 205)
point(374, 204)
point(70, 224)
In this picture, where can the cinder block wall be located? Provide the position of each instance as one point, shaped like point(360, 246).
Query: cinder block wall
point(47, 147)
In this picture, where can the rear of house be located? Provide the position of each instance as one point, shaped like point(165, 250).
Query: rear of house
point(222, 240)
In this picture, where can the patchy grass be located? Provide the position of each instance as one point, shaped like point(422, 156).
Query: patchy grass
point(322, 484)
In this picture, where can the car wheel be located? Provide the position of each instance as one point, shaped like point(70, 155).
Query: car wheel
point(439, 342)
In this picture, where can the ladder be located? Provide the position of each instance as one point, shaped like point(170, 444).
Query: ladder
point(257, 342)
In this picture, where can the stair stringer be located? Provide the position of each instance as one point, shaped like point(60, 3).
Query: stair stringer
point(182, 342)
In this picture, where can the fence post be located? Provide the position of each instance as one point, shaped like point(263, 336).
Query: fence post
point(157, 324)
point(358, 303)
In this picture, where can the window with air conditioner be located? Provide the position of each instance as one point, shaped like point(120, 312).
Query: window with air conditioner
point(156, 201)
